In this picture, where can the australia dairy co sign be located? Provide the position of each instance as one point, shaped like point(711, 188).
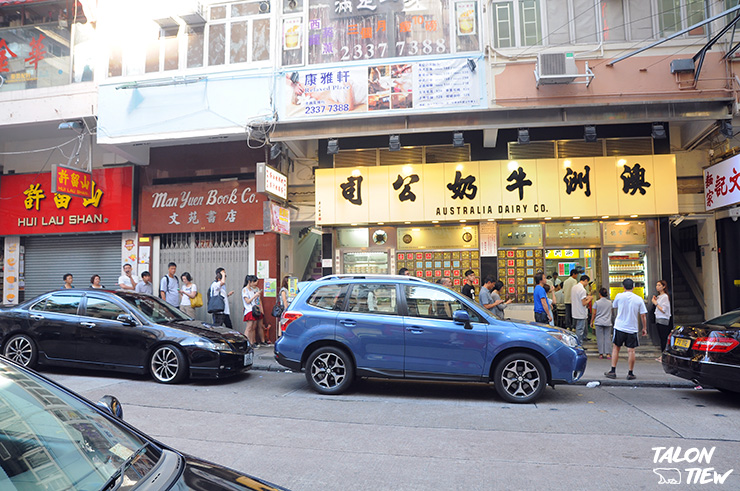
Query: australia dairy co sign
point(555, 188)
point(200, 207)
point(29, 206)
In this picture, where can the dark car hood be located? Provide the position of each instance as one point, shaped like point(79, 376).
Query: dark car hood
point(205, 330)
point(201, 475)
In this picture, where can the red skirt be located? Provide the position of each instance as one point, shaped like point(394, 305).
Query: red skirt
point(249, 317)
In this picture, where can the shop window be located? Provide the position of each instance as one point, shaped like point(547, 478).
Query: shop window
point(329, 297)
point(102, 309)
point(373, 298)
point(674, 15)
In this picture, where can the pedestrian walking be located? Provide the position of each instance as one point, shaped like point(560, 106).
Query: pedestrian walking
point(601, 323)
point(95, 282)
point(128, 280)
point(145, 285)
point(630, 308)
point(218, 288)
point(662, 305)
point(68, 279)
point(468, 288)
point(550, 302)
point(250, 300)
point(188, 291)
point(579, 300)
point(568, 285)
point(542, 312)
point(169, 286)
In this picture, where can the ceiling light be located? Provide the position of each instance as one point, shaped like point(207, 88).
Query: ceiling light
point(394, 143)
point(523, 136)
point(658, 131)
point(457, 139)
point(332, 147)
point(471, 64)
point(589, 133)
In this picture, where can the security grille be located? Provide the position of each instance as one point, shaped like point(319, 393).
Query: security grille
point(564, 149)
point(200, 254)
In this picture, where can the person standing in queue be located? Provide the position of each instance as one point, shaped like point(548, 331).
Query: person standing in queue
point(250, 299)
point(188, 292)
point(468, 288)
point(68, 279)
point(630, 308)
point(145, 285)
point(169, 286)
point(542, 312)
point(568, 285)
point(128, 280)
point(404, 272)
point(95, 282)
point(662, 305)
point(218, 287)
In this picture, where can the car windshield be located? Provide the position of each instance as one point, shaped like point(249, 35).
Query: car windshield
point(730, 319)
point(51, 440)
point(155, 309)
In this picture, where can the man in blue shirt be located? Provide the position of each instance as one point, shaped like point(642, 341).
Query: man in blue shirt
point(542, 312)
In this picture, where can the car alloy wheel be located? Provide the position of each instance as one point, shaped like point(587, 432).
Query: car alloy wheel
point(168, 365)
point(329, 370)
point(22, 350)
point(520, 378)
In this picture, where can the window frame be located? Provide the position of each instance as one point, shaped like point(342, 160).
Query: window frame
point(475, 316)
point(340, 297)
point(45, 301)
point(516, 20)
point(103, 299)
point(356, 286)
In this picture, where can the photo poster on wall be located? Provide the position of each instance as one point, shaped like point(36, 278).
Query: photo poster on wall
point(270, 287)
point(263, 269)
point(564, 269)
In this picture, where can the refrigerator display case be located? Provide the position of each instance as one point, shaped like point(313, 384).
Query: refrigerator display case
point(628, 264)
point(365, 263)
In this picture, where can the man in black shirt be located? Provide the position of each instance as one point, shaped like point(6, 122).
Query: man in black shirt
point(468, 288)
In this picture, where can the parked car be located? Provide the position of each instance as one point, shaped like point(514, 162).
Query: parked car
point(342, 327)
point(708, 353)
point(52, 438)
point(121, 331)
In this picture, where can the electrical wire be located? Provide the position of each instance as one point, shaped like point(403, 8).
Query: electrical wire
point(55, 147)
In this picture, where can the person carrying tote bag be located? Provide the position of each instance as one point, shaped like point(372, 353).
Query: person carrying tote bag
point(662, 305)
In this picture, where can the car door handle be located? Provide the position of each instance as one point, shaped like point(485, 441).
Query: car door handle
point(348, 322)
point(415, 330)
point(37, 317)
point(87, 324)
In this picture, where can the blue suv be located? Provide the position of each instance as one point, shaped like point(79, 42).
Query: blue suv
point(346, 326)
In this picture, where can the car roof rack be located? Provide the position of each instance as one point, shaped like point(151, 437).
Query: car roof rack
point(371, 277)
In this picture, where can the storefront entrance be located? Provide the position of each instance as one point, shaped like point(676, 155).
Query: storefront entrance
point(200, 254)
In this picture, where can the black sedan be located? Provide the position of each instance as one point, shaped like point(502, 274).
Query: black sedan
point(52, 438)
point(121, 331)
point(708, 354)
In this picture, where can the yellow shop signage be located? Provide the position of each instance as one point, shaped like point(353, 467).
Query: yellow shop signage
point(554, 188)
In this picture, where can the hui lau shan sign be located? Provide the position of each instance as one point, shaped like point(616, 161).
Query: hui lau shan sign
point(537, 189)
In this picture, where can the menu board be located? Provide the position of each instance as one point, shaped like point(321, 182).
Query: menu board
point(434, 265)
point(516, 270)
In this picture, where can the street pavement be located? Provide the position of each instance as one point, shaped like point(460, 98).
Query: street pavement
point(648, 371)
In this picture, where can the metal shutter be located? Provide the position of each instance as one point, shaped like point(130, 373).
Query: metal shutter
point(47, 259)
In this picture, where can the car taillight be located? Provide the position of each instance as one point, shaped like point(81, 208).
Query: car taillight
point(715, 344)
point(287, 318)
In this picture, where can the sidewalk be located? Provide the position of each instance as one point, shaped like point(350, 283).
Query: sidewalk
point(648, 371)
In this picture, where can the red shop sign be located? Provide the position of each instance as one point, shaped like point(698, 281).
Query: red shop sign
point(200, 207)
point(74, 182)
point(30, 207)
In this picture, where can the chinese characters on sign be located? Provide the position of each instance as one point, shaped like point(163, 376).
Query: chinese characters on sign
point(201, 207)
point(435, 192)
point(73, 182)
point(721, 186)
point(448, 84)
point(30, 205)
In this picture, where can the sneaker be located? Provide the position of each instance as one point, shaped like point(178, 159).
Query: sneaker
point(610, 374)
point(631, 376)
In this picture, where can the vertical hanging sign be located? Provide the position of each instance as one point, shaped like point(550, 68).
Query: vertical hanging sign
point(11, 269)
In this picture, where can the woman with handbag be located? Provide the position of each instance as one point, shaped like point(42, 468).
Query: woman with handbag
point(252, 310)
point(187, 293)
point(218, 300)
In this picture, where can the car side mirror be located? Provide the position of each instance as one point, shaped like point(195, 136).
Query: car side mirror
point(111, 405)
point(462, 317)
point(127, 319)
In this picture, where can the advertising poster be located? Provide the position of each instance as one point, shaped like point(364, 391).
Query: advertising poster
point(292, 33)
point(263, 269)
point(11, 270)
point(381, 88)
point(270, 287)
point(129, 248)
point(466, 18)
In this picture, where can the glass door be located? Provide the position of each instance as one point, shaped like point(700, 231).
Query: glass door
point(365, 263)
point(628, 264)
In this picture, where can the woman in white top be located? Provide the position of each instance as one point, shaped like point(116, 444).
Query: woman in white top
point(250, 298)
point(601, 323)
point(662, 312)
point(188, 292)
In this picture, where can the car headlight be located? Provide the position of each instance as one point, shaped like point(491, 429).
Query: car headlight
point(565, 338)
point(208, 344)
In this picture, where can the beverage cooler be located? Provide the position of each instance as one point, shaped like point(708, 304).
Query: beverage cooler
point(629, 263)
point(365, 262)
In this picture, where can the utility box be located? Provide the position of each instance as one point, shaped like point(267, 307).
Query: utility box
point(682, 65)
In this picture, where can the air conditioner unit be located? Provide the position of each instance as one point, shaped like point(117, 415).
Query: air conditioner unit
point(192, 12)
point(556, 68)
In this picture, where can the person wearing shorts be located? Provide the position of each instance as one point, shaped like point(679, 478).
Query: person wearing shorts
point(630, 308)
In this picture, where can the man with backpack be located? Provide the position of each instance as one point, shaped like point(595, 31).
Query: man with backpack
point(169, 287)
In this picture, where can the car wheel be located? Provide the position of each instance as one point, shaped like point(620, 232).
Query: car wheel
point(168, 365)
point(520, 378)
point(22, 350)
point(329, 370)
